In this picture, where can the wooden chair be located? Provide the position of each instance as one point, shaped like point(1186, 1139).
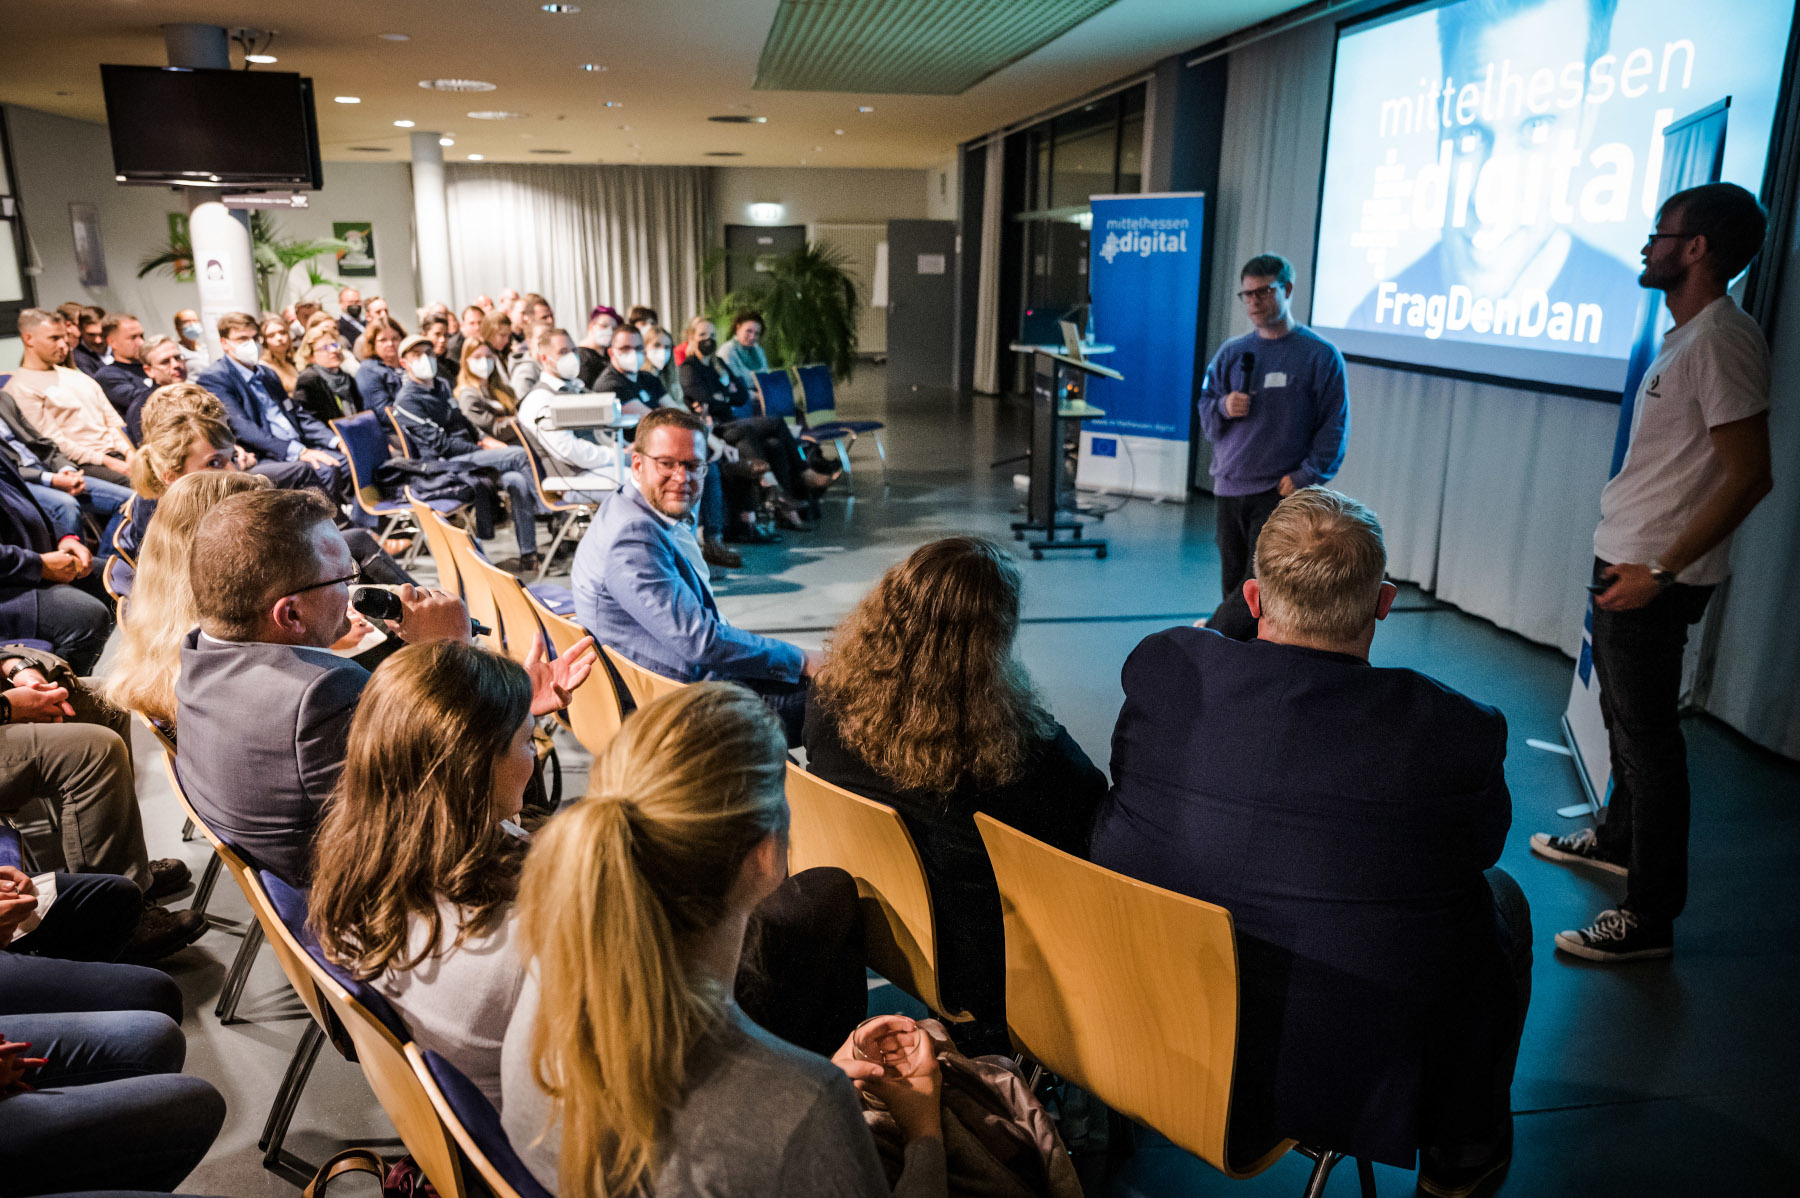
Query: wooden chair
point(1131, 992)
point(573, 514)
point(233, 986)
point(831, 826)
point(642, 685)
point(514, 622)
point(595, 711)
point(433, 525)
point(209, 877)
point(477, 593)
point(475, 1126)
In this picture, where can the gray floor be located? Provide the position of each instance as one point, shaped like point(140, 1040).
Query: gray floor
point(1661, 1078)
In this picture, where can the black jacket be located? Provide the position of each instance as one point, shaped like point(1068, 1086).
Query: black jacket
point(327, 395)
point(53, 459)
point(644, 386)
point(435, 427)
point(26, 534)
point(124, 383)
point(708, 394)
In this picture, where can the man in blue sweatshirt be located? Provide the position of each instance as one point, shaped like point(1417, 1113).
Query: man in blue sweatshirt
point(1276, 409)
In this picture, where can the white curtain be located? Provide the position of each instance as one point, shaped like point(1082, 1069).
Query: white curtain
point(1489, 495)
point(987, 282)
point(582, 235)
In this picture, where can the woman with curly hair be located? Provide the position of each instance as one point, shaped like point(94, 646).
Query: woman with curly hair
point(921, 705)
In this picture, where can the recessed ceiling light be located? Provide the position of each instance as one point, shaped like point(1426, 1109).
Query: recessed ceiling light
point(624, 128)
point(119, 178)
point(564, 9)
point(348, 99)
point(615, 104)
point(818, 149)
point(474, 157)
point(446, 141)
point(456, 85)
point(839, 132)
point(395, 37)
point(403, 124)
point(263, 58)
point(736, 118)
point(865, 108)
point(498, 114)
point(592, 66)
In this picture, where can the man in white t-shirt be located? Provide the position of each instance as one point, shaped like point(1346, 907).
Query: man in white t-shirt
point(1698, 463)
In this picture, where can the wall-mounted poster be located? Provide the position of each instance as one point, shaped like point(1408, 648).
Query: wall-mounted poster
point(179, 235)
point(90, 255)
point(357, 262)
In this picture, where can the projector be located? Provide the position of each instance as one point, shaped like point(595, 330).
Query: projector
point(587, 411)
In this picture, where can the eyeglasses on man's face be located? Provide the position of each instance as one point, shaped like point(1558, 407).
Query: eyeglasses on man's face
point(1266, 291)
point(693, 467)
point(354, 577)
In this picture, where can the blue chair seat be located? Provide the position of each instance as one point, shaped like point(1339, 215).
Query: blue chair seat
point(25, 642)
point(12, 847)
point(479, 1118)
point(557, 598)
point(833, 428)
point(290, 903)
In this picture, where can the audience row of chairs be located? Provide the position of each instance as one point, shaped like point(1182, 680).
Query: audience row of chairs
point(818, 416)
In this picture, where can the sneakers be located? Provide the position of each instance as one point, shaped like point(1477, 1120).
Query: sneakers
point(161, 932)
point(1577, 848)
point(1465, 1181)
point(1618, 935)
point(167, 876)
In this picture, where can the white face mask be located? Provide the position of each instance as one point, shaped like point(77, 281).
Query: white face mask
point(482, 367)
point(658, 355)
point(568, 366)
point(247, 352)
point(296, 330)
point(192, 332)
point(422, 367)
point(628, 360)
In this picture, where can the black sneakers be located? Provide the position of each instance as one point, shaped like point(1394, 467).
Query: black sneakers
point(168, 875)
point(1577, 848)
point(1619, 935)
point(161, 932)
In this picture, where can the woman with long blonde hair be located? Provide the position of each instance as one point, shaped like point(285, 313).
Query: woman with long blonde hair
point(413, 876)
point(278, 349)
point(161, 610)
point(922, 705)
point(628, 1068)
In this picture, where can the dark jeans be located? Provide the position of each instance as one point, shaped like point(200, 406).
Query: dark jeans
point(770, 438)
point(713, 508)
point(515, 471)
point(1637, 655)
point(1239, 519)
point(75, 623)
point(803, 976)
point(92, 918)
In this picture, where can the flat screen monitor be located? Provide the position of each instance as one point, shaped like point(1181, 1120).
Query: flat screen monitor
point(1492, 169)
point(211, 127)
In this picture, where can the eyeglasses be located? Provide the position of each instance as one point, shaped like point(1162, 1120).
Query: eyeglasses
point(690, 466)
point(1252, 293)
point(1658, 236)
point(326, 347)
point(354, 577)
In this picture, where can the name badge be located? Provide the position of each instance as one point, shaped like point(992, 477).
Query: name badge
point(1275, 378)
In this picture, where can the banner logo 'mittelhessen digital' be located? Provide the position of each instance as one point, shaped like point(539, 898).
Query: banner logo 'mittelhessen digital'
point(1143, 236)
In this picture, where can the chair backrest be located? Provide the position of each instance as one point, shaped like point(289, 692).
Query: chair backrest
point(1128, 990)
point(433, 526)
point(477, 592)
point(594, 711)
point(518, 626)
point(818, 392)
point(778, 394)
point(475, 1125)
point(163, 740)
point(393, 415)
point(642, 685)
point(366, 447)
point(831, 826)
point(117, 580)
point(550, 502)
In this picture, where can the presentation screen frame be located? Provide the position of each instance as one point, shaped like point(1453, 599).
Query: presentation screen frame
point(1592, 377)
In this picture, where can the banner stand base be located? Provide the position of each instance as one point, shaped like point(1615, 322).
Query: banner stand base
point(1592, 806)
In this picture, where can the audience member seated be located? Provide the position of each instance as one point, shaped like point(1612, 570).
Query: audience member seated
point(59, 742)
point(639, 390)
point(165, 364)
point(588, 467)
point(190, 335)
point(323, 388)
point(468, 329)
point(642, 585)
point(162, 610)
point(271, 579)
point(1344, 815)
point(521, 364)
point(643, 318)
point(659, 359)
point(921, 705)
point(744, 355)
point(436, 329)
point(438, 431)
point(482, 394)
point(91, 1092)
point(350, 324)
point(278, 351)
point(59, 485)
point(378, 312)
point(38, 564)
point(66, 405)
point(633, 910)
point(123, 379)
point(264, 418)
point(595, 346)
point(87, 337)
point(379, 377)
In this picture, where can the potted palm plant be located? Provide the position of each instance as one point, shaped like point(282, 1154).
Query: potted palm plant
point(273, 257)
point(809, 304)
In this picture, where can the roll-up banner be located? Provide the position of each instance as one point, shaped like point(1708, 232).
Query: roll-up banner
point(1144, 275)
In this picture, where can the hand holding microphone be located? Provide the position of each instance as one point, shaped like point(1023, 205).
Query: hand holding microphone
point(1237, 404)
point(419, 615)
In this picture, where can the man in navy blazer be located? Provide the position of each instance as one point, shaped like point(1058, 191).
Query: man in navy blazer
point(1347, 817)
point(264, 417)
point(34, 564)
point(642, 585)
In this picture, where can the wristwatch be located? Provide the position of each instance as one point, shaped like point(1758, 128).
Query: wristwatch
point(1661, 575)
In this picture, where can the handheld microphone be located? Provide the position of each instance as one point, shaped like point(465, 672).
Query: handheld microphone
point(1249, 361)
point(385, 605)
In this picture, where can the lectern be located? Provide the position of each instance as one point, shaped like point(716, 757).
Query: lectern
point(1058, 384)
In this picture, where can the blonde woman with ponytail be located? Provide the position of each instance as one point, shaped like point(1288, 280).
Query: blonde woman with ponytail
point(628, 1068)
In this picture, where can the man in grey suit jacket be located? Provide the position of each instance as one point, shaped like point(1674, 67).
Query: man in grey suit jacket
point(264, 707)
point(642, 586)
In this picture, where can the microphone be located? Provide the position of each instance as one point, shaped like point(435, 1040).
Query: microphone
point(385, 605)
point(1249, 361)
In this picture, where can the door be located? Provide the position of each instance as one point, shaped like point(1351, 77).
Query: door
point(749, 249)
point(921, 312)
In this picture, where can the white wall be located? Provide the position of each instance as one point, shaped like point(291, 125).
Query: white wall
point(61, 161)
point(943, 187)
point(810, 195)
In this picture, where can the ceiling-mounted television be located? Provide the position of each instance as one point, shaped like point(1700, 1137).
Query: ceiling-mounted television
point(211, 128)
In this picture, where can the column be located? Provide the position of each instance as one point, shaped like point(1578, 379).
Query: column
point(431, 219)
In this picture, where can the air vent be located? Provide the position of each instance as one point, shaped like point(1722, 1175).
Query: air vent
point(455, 85)
point(739, 118)
point(724, 153)
point(549, 151)
point(497, 115)
point(372, 149)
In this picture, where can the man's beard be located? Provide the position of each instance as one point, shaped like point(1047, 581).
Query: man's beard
point(1660, 280)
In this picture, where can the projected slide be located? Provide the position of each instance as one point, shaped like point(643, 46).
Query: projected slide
point(1492, 169)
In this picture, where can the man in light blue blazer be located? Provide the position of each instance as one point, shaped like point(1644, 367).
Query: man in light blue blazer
point(642, 586)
